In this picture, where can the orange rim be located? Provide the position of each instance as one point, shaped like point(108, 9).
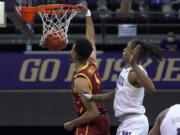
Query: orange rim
point(46, 7)
point(29, 13)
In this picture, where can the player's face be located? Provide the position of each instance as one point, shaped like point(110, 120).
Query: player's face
point(127, 52)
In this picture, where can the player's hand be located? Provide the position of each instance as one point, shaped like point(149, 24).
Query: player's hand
point(134, 56)
point(83, 8)
point(87, 96)
point(69, 126)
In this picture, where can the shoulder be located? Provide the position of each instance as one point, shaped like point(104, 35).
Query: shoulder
point(88, 71)
point(143, 69)
point(162, 115)
point(81, 85)
point(133, 74)
point(80, 81)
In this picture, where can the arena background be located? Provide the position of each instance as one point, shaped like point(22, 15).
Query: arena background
point(35, 93)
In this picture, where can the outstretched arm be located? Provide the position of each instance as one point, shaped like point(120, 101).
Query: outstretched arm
point(90, 32)
point(100, 97)
point(156, 128)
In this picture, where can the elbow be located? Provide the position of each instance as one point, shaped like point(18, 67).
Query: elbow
point(94, 115)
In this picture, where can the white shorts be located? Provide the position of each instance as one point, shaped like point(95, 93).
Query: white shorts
point(137, 125)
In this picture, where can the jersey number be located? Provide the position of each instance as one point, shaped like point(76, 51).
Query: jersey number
point(178, 131)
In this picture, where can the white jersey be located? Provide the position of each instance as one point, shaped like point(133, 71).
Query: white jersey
point(170, 125)
point(128, 99)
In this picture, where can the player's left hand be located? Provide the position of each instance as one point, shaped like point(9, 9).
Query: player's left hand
point(134, 56)
point(69, 126)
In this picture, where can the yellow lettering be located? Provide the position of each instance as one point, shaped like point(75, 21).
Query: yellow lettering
point(147, 63)
point(34, 71)
point(99, 61)
point(70, 73)
point(107, 70)
point(54, 73)
point(171, 69)
point(159, 70)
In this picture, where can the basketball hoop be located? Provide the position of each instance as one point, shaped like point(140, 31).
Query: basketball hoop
point(54, 17)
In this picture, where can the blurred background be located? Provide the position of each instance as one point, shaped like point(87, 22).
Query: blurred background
point(35, 95)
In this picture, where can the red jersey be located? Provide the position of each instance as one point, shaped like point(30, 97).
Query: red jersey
point(91, 73)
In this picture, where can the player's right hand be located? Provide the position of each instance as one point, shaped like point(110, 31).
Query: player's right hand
point(87, 96)
point(83, 8)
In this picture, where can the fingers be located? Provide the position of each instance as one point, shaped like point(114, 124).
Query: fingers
point(83, 7)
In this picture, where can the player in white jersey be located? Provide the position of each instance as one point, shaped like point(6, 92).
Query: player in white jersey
point(129, 93)
point(167, 122)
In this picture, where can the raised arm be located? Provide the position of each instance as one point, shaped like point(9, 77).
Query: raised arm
point(90, 32)
point(138, 76)
point(81, 85)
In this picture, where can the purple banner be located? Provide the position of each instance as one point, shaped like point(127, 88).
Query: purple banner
point(53, 70)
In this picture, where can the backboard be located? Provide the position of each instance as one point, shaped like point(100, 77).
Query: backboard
point(2, 14)
point(12, 11)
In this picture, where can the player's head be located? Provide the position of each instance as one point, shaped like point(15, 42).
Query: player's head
point(145, 49)
point(81, 50)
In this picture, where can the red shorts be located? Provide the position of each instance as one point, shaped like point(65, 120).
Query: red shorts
point(99, 126)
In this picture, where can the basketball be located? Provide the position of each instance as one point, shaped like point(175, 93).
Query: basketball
point(55, 41)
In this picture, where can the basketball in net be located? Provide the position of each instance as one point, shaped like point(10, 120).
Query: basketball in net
point(56, 19)
point(55, 41)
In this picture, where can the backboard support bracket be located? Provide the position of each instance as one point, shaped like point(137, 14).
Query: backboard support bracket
point(14, 15)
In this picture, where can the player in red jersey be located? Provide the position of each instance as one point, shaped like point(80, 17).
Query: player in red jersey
point(92, 119)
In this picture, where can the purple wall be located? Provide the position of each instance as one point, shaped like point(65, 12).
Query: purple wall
point(53, 70)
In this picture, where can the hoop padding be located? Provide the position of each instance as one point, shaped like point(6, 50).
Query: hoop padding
point(55, 17)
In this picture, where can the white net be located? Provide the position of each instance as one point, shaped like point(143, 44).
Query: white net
point(56, 22)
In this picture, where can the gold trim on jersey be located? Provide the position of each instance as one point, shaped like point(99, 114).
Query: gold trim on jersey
point(85, 66)
point(81, 74)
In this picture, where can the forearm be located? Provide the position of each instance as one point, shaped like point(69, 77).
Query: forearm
point(144, 79)
point(90, 32)
point(85, 118)
point(103, 97)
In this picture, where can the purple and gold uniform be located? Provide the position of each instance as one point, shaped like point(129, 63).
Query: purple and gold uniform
point(99, 126)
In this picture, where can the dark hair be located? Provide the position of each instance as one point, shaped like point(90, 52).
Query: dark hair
point(154, 52)
point(83, 48)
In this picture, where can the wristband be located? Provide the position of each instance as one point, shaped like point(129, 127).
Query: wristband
point(88, 13)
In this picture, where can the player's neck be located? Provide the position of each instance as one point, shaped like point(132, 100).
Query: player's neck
point(80, 65)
